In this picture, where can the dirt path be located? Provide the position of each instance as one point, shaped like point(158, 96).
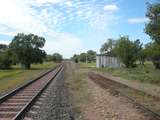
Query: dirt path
point(91, 102)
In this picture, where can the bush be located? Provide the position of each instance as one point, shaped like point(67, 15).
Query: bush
point(5, 61)
point(127, 51)
point(152, 50)
point(56, 57)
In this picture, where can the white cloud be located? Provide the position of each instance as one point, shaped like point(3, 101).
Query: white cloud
point(137, 20)
point(19, 16)
point(49, 1)
point(69, 4)
point(110, 8)
point(66, 44)
point(7, 31)
point(43, 17)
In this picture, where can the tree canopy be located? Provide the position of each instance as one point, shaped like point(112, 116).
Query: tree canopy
point(56, 57)
point(3, 47)
point(153, 26)
point(83, 57)
point(5, 60)
point(26, 49)
point(152, 51)
point(91, 56)
point(108, 46)
point(75, 58)
point(127, 50)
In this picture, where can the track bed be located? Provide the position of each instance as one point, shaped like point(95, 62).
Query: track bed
point(148, 103)
point(14, 105)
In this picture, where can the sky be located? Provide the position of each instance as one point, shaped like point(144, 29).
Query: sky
point(73, 26)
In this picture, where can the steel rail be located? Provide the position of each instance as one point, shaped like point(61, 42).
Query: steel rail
point(20, 114)
point(6, 96)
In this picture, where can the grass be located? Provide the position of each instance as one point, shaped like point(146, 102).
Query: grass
point(140, 73)
point(9, 79)
point(77, 85)
point(87, 65)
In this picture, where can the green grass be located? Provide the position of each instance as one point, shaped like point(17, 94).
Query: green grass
point(87, 65)
point(16, 76)
point(140, 73)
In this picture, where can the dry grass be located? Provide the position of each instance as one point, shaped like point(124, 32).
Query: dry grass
point(77, 84)
point(9, 79)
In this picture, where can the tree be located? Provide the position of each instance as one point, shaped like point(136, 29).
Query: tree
point(56, 57)
point(139, 50)
point(142, 56)
point(108, 46)
point(83, 57)
point(75, 58)
point(127, 51)
point(91, 56)
point(26, 49)
point(5, 61)
point(3, 47)
point(152, 51)
point(153, 26)
point(49, 58)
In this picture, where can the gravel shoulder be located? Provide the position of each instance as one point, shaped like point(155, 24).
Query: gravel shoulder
point(91, 102)
point(53, 104)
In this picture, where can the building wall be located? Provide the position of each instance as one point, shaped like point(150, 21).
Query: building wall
point(107, 61)
point(98, 62)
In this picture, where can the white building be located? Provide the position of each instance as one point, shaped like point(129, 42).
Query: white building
point(103, 60)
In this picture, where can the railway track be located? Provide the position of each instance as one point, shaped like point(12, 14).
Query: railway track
point(14, 105)
point(147, 103)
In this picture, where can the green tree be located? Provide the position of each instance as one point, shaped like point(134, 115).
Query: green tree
point(48, 58)
point(75, 58)
point(152, 28)
point(139, 50)
point(5, 60)
point(26, 49)
point(56, 57)
point(83, 57)
point(152, 51)
point(3, 47)
point(142, 56)
point(108, 47)
point(91, 56)
point(127, 51)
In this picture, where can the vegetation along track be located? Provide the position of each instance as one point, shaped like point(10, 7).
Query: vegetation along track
point(14, 105)
point(148, 103)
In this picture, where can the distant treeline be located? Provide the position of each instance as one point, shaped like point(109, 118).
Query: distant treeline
point(25, 50)
point(89, 56)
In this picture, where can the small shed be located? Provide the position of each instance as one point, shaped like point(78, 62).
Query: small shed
point(104, 60)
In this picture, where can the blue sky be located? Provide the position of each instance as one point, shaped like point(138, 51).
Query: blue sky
point(73, 26)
